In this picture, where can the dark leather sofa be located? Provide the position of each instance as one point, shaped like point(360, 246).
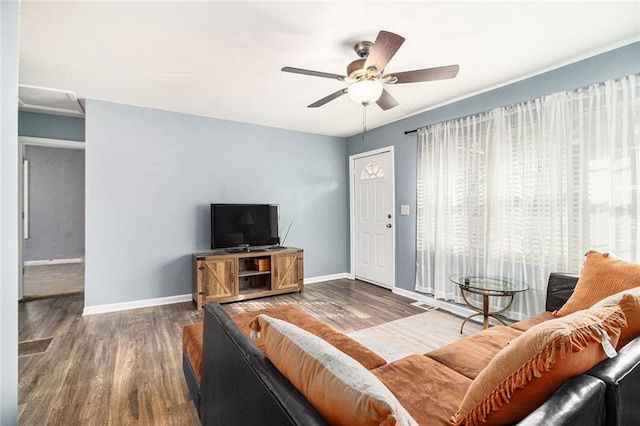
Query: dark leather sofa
point(241, 386)
point(608, 394)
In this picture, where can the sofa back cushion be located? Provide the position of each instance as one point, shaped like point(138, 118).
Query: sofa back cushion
point(341, 389)
point(534, 365)
point(602, 275)
point(430, 391)
point(469, 356)
point(559, 288)
point(527, 323)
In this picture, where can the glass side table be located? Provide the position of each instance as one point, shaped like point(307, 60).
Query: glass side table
point(487, 286)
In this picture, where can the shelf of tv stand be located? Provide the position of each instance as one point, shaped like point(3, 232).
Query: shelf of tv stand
point(252, 273)
point(225, 276)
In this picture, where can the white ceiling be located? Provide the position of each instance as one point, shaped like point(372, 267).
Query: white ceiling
point(223, 59)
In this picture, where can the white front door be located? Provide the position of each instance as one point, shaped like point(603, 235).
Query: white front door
point(372, 217)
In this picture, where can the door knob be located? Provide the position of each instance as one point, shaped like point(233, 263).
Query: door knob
point(388, 225)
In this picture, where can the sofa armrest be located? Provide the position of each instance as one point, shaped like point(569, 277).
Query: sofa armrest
point(559, 288)
point(240, 385)
point(579, 401)
point(622, 378)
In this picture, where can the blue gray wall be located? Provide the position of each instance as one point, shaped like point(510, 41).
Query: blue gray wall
point(56, 203)
point(613, 64)
point(151, 175)
point(9, 259)
point(50, 126)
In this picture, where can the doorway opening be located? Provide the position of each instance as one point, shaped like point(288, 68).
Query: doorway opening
point(52, 205)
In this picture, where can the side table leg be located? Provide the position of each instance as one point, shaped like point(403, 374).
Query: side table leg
point(485, 311)
point(467, 319)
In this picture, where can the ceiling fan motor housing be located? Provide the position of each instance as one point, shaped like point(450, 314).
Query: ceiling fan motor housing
point(355, 69)
point(363, 48)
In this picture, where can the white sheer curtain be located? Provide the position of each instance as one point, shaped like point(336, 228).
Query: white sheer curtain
point(526, 190)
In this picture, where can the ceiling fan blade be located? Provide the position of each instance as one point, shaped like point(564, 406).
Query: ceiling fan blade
point(329, 98)
point(383, 49)
point(428, 74)
point(313, 73)
point(386, 101)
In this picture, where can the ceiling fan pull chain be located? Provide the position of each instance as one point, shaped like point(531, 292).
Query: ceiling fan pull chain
point(364, 120)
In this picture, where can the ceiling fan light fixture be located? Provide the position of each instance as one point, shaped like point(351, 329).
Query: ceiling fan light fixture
point(365, 91)
point(366, 77)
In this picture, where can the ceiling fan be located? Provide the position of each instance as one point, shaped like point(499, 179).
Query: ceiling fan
point(366, 75)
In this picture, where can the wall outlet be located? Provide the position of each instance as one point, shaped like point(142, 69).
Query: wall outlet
point(404, 210)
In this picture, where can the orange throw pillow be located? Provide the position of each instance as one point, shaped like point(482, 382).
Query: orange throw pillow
point(629, 301)
point(602, 275)
point(535, 364)
point(339, 387)
point(630, 305)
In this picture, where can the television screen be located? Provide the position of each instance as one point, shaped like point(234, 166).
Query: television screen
point(244, 225)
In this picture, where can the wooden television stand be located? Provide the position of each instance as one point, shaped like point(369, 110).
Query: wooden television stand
point(231, 275)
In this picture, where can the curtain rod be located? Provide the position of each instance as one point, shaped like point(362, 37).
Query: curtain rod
point(406, 132)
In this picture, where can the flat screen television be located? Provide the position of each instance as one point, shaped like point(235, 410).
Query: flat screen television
point(244, 225)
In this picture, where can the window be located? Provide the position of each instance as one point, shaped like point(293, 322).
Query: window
point(527, 189)
point(372, 170)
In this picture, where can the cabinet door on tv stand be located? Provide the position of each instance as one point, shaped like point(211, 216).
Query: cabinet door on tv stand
point(218, 278)
point(288, 272)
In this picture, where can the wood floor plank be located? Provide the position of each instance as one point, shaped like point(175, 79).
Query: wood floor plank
point(347, 305)
point(125, 368)
point(43, 281)
point(123, 408)
point(100, 384)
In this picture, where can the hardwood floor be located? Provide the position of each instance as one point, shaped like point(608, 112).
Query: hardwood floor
point(347, 305)
point(118, 368)
point(43, 281)
point(125, 368)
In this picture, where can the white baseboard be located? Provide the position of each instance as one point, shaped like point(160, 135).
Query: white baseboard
point(53, 261)
point(313, 280)
point(458, 310)
point(454, 308)
point(146, 303)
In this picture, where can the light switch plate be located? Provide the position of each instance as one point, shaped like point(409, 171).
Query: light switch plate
point(404, 210)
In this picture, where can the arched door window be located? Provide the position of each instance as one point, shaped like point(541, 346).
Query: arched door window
point(372, 170)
